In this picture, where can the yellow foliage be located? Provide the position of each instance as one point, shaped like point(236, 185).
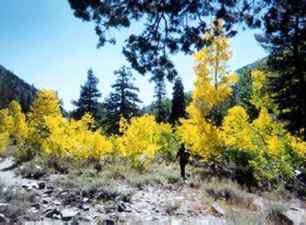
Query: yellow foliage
point(298, 145)
point(260, 97)
point(6, 125)
point(73, 139)
point(212, 87)
point(236, 131)
point(6, 121)
point(213, 83)
point(46, 104)
point(19, 129)
point(275, 146)
point(141, 140)
point(4, 142)
point(58, 137)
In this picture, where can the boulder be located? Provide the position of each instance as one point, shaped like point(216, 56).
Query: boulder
point(217, 209)
point(36, 205)
point(204, 220)
point(295, 216)
point(46, 200)
point(123, 207)
point(69, 213)
point(52, 213)
point(208, 220)
point(108, 222)
point(3, 206)
point(41, 185)
point(84, 206)
point(44, 222)
point(3, 219)
point(258, 204)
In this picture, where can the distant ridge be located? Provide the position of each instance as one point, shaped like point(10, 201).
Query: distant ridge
point(261, 63)
point(14, 88)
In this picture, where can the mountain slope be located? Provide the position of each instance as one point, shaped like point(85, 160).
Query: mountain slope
point(259, 64)
point(14, 88)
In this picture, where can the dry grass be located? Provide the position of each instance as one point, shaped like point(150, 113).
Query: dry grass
point(227, 191)
point(244, 217)
point(18, 203)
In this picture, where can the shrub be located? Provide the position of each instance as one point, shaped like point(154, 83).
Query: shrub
point(268, 152)
point(33, 169)
point(272, 152)
point(19, 129)
point(4, 142)
point(24, 153)
point(229, 192)
point(212, 88)
point(142, 140)
point(18, 200)
point(74, 139)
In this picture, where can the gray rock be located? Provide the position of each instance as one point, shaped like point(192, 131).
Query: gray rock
point(41, 185)
point(52, 213)
point(108, 222)
point(3, 219)
point(259, 204)
point(56, 202)
point(296, 216)
point(217, 209)
point(205, 220)
point(87, 219)
point(209, 220)
point(85, 200)
point(123, 207)
point(4, 206)
point(44, 222)
point(36, 205)
point(46, 200)
point(69, 213)
point(26, 185)
point(85, 207)
point(48, 192)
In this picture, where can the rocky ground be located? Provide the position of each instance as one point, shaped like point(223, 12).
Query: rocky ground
point(47, 202)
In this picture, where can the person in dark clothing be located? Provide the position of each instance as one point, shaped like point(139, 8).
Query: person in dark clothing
point(183, 157)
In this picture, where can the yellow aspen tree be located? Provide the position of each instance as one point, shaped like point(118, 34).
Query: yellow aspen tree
point(269, 145)
point(46, 104)
point(142, 140)
point(6, 125)
point(6, 121)
point(19, 130)
point(74, 139)
point(212, 87)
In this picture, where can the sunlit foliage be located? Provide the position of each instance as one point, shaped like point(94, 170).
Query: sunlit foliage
point(269, 151)
point(272, 149)
point(13, 127)
point(212, 87)
point(142, 140)
point(4, 141)
point(46, 104)
point(19, 129)
point(74, 139)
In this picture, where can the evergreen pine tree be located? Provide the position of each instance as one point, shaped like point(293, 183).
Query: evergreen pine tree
point(178, 101)
point(284, 37)
point(160, 93)
point(89, 95)
point(123, 100)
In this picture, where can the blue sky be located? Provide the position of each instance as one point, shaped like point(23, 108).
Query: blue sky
point(44, 44)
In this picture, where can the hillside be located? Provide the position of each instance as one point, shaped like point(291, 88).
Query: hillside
point(255, 65)
point(14, 88)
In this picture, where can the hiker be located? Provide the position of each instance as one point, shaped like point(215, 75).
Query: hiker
point(183, 157)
